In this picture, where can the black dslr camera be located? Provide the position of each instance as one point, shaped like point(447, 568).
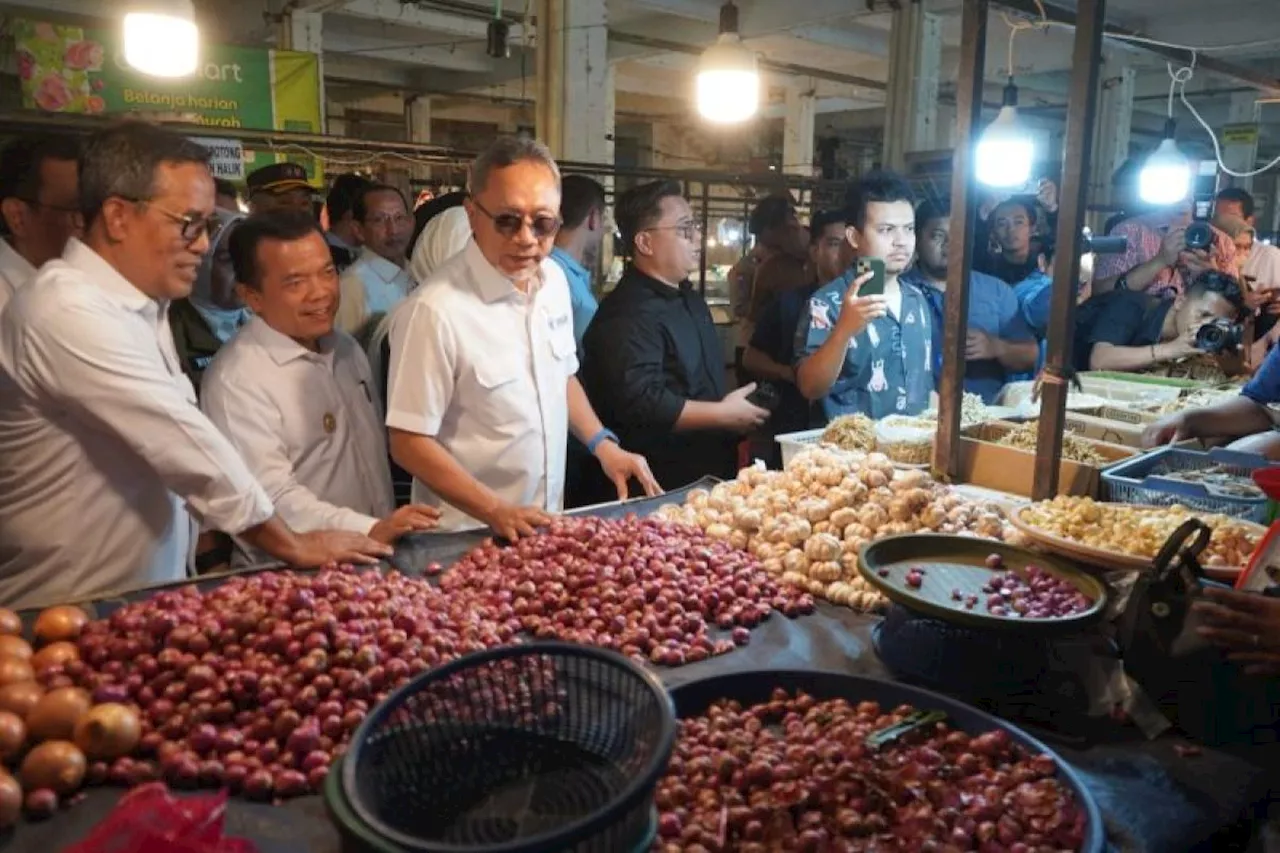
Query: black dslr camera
point(1219, 335)
point(1199, 235)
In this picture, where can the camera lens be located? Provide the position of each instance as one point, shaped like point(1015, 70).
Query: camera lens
point(1199, 235)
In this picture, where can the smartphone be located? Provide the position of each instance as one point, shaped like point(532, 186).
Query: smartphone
point(875, 266)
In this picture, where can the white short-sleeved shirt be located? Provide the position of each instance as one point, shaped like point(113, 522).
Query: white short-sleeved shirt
point(15, 271)
point(104, 450)
point(484, 369)
point(1263, 265)
point(370, 288)
point(308, 424)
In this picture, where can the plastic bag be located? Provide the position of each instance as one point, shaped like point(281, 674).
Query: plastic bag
point(149, 819)
point(907, 441)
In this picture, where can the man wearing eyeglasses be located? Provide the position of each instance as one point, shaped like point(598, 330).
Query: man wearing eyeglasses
point(39, 208)
point(654, 364)
point(483, 386)
point(378, 280)
point(107, 459)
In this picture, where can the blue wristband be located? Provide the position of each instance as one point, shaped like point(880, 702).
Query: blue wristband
point(605, 434)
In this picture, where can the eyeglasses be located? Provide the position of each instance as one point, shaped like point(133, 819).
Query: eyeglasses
point(509, 224)
point(192, 225)
point(687, 230)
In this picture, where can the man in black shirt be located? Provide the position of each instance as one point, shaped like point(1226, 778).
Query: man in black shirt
point(1013, 225)
point(654, 367)
point(1126, 330)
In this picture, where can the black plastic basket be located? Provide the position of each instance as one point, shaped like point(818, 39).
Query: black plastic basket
point(539, 747)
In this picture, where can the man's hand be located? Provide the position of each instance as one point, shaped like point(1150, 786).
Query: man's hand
point(738, 413)
point(979, 346)
point(511, 522)
point(1047, 195)
point(328, 547)
point(1173, 245)
point(1180, 347)
point(407, 519)
point(621, 466)
point(1245, 625)
point(858, 312)
point(1255, 299)
point(1196, 261)
point(1167, 430)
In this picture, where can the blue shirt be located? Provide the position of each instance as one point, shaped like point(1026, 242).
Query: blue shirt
point(1264, 387)
point(1035, 293)
point(582, 300)
point(888, 367)
point(994, 311)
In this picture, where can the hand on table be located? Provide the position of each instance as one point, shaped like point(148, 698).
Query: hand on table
point(413, 518)
point(511, 522)
point(1245, 625)
point(1167, 430)
point(621, 467)
point(330, 547)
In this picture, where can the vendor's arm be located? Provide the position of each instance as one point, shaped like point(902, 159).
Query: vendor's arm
point(823, 341)
point(1237, 417)
point(619, 465)
point(98, 371)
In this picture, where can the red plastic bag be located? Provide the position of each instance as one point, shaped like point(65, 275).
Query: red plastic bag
point(148, 819)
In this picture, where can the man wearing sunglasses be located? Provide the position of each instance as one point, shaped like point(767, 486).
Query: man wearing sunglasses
point(483, 386)
point(654, 363)
point(107, 459)
point(39, 208)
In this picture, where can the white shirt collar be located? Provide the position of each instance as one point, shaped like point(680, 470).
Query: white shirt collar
point(491, 282)
point(15, 269)
point(100, 272)
point(383, 268)
point(284, 349)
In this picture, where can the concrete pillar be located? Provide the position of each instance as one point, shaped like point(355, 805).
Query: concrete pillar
point(336, 119)
point(587, 79)
point(797, 132)
point(911, 100)
point(1111, 132)
point(550, 68)
point(1240, 137)
point(944, 128)
point(417, 114)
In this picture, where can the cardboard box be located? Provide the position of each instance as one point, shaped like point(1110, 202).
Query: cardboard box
point(1008, 469)
point(1102, 428)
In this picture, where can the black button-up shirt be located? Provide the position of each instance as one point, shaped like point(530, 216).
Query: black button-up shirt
point(650, 348)
point(1123, 317)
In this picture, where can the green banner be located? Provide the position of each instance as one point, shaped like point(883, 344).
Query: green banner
point(65, 69)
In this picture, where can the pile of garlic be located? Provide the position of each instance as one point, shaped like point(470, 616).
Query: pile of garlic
point(806, 523)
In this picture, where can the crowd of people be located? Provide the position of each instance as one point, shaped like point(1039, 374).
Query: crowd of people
point(182, 383)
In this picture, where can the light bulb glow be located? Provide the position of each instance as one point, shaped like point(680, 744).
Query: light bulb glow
point(728, 82)
point(161, 39)
point(1005, 152)
point(1166, 176)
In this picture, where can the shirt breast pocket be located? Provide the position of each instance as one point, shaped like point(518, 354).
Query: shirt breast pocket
point(500, 387)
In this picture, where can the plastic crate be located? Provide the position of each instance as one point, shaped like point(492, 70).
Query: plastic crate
point(792, 443)
point(1139, 481)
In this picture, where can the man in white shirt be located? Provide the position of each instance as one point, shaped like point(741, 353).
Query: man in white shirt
point(483, 385)
point(106, 457)
point(296, 397)
point(39, 206)
point(378, 280)
point(1258, 261)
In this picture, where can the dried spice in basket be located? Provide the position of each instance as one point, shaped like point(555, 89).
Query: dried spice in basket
point(1074, 448)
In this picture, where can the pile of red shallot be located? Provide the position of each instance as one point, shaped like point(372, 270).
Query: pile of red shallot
point(645, 587)
point(1040, 595)
point(795, 773)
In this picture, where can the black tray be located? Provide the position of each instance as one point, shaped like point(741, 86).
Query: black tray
point(959, 562)
point(755, 686)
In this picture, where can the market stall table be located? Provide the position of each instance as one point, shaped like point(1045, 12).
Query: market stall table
point(1152, 798)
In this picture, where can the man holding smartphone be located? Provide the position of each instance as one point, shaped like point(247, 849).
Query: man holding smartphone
point(865, 344)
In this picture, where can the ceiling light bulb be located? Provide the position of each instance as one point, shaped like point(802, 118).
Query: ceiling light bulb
point(728, 80)
point(161, 38)
point(1005, 151)
point(1166, 175)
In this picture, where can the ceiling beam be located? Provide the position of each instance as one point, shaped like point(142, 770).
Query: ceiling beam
point(402, 14)
point(375, 48)
point(866, 40)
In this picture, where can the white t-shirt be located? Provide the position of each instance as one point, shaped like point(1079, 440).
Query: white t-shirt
point(15, 271)
point(1263, 265)
point(484, 369)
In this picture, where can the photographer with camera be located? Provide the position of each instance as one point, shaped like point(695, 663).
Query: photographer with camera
point(1247, 420)
point(1127, 331)
point(1166, 250)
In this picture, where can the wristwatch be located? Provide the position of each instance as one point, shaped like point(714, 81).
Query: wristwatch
point(605, 434)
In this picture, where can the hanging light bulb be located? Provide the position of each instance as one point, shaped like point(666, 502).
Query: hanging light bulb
point(1005, 150)
point(161, 37)
point(1166, 175)
point(728, 82)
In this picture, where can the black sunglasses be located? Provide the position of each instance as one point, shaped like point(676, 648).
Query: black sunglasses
point(509, 224)
point(192, 225)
